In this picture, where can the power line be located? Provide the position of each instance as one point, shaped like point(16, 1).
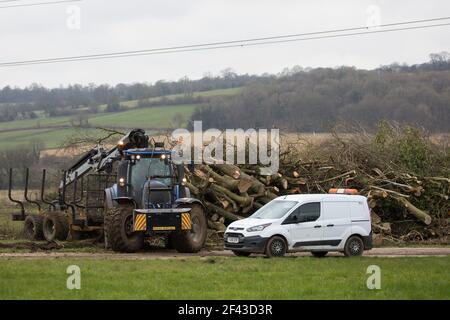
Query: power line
point(34, 4)
point(296, 35)
point(231, 44)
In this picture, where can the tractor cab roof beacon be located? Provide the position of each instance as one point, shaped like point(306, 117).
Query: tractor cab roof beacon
point(319, 223)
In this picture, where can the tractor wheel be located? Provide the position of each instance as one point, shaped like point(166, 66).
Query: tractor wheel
point(55, 226)
point(118, 228)
point(191, 241)
point(32, 228)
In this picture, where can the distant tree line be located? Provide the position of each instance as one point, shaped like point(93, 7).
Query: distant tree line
point(22, 103)
point(307, 100)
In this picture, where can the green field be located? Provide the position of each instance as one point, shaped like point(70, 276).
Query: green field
point(227, 278)
point(52, 132)
point(51, 138)
point(36, 123)
point(154, 117)
point(210, 93)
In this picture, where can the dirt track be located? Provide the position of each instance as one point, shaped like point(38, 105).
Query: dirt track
point(377, 252)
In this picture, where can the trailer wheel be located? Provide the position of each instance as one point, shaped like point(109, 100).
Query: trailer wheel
point(192, 241)
point(119, 234)
point(55, 226)
point(32, 228)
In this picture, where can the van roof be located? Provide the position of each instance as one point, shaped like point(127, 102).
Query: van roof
point(321, 197)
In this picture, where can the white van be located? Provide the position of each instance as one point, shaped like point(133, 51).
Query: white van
point(318, 223)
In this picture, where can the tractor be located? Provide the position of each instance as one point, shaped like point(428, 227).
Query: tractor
point(128, 193)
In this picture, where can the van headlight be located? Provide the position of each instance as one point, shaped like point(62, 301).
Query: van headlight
point(258, 228)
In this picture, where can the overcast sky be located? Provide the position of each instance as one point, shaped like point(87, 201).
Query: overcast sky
point(110, 26)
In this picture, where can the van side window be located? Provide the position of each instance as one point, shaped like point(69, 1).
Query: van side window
point(305, 213)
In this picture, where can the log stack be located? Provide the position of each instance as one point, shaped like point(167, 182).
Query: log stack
point(404, 206)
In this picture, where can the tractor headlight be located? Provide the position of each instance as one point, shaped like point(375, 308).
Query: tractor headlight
point(122, 182)
point(258, 228)
point(183, 181)
point(163, 157)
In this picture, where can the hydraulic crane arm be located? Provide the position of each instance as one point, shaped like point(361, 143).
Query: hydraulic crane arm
point(98, 159)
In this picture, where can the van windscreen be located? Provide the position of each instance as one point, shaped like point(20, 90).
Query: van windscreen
point(274, 209)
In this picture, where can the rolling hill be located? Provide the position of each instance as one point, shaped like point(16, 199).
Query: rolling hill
point(53, 131)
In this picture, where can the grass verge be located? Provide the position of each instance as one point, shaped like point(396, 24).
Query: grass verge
point(227, 278)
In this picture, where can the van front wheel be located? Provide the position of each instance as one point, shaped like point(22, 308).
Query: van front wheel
point(354, 247)
point(276, 247)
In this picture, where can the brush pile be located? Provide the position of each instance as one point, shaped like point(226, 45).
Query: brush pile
point(404, 175)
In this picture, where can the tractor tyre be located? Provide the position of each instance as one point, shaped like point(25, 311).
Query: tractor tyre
point(55, 226)
point(118, 228)
point(192, 241)
point(32, 228)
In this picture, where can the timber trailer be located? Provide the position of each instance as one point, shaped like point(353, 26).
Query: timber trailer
point(126, 194)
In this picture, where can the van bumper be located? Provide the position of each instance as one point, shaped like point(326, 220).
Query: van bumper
point(254, 244)
point(367, 240)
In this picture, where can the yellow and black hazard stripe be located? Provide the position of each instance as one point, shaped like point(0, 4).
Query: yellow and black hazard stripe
point(140, 222)
point(186, 221)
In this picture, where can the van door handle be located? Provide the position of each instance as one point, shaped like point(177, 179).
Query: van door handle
point(317, 226)
point(330, 225)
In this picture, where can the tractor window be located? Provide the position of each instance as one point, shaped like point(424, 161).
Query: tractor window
point(150, 167)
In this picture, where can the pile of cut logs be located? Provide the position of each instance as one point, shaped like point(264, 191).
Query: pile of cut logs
point(404, 207)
